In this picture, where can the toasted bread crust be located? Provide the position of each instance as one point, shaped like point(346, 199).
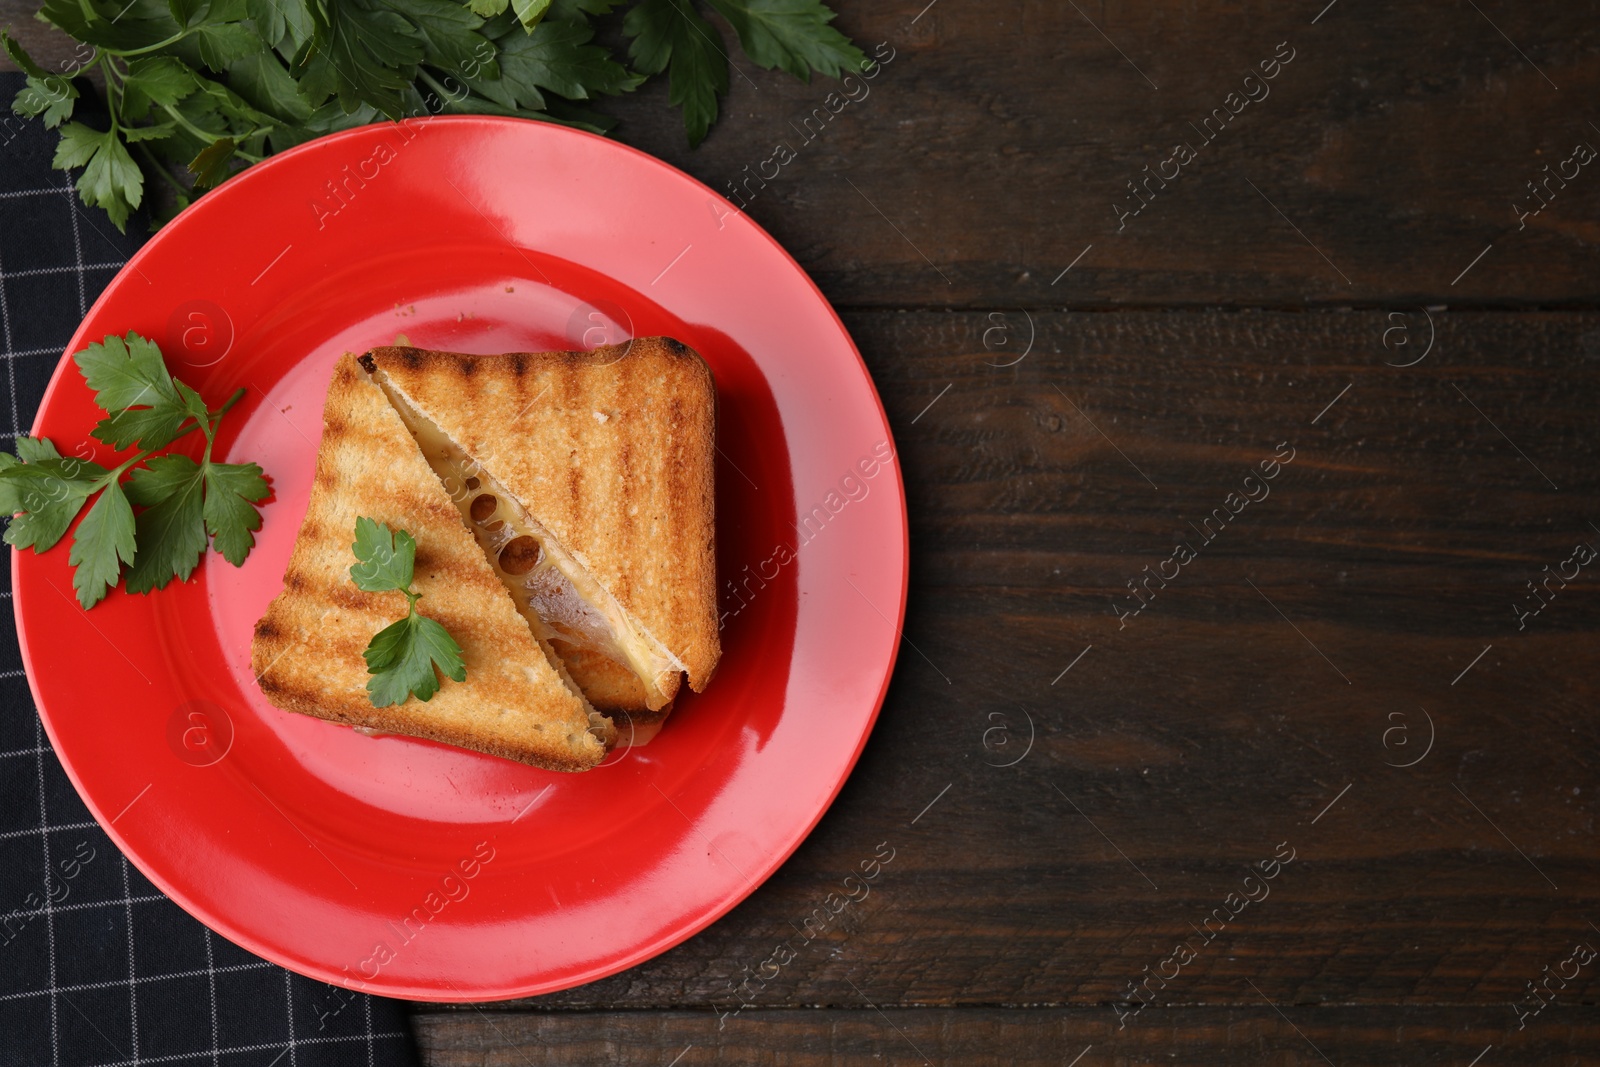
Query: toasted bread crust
point(613, 451)
point(610, 686)
point(306, 652)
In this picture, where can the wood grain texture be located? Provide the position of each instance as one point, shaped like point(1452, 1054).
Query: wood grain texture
point(1186, 746)
point(1299, 1037)
point(1021, 910)
point(987, 154)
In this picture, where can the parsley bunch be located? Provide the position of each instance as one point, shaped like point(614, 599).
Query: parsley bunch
point(185, 504)
point(198, 89)
point(403, 655)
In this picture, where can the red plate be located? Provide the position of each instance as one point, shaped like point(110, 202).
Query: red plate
point(400, 866)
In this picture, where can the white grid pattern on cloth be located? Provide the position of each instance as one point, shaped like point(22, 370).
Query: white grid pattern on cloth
point(49, 912)
point(37, 271)
point(288, 1006)
point(5, 339)
point(82, 905)
point(211, 988)
point(133, 972)
point(77, 248)
point(45, 829)
point(85, 987)
point(55, 991)
point(178, 1057)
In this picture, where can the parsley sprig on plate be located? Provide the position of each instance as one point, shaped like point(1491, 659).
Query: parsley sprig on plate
point(402, 656)
point(185, 504)
point(202, 88)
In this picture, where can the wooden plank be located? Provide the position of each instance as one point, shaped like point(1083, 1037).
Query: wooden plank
point(1299, 1037)
point(987, 155)
point(999, 144)
point(1185, 746)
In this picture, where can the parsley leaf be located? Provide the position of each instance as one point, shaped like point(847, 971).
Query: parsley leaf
point(262, 81)
point(171, 530)
point(671, 35)
point(232, 491)
point(404, 656)
point(112, 24)
point(185, 503)
point(125, 373)
point(32, 449)
point(450, 37)
point(158, 80)
point(530, 12)
point(49, 490)
point(20, 57)
point(557, 57)
point(103, 543)
point(281, 25)
point(791, 34)
point(385, 558)
point(361, 51)
point(210, 167)
point(45, 94)
point(220, 45)
point(110, 177)
point(51, 99)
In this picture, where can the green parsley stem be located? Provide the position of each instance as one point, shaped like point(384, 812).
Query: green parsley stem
point(161, 169)
point(90, 15)
point(209, 137)
point(216, 416)
point(213, 417)
point(158, 46)
point(113, 90)
point(115, 473)
point(177, 116)
point(444, 94)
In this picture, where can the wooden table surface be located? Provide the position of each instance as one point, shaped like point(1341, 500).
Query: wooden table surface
point(1379, 661)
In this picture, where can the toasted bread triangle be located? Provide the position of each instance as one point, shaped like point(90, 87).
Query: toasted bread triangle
point(611, 452)
point(307, 651)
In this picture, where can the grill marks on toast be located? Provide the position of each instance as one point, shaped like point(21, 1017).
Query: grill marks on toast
point(614, 454)
point(599, 649)
point(306, 652)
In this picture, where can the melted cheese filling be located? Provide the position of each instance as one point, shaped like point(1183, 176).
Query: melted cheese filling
point(560, 601)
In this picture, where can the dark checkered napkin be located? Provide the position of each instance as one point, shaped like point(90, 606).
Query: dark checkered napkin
point(96, 966)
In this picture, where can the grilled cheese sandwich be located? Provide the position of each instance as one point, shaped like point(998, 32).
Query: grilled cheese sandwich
point(566, 543)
